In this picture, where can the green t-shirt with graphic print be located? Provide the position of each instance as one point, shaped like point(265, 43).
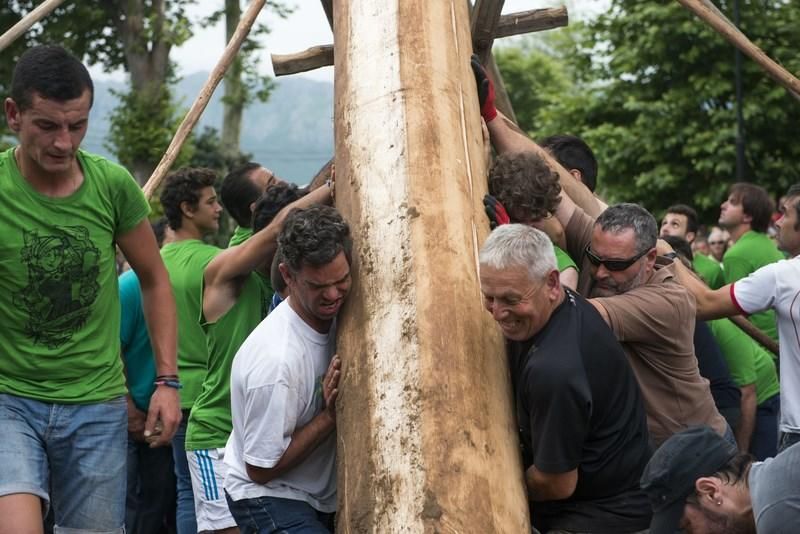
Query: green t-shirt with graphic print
point(59, 299)
point(210, 421)
point(185, 262)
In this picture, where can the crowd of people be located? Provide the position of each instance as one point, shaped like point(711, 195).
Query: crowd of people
point(197, 393)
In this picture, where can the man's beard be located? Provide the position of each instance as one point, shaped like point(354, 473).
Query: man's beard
point(615, 288)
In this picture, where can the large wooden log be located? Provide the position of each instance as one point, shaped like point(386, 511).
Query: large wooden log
point(426, 437)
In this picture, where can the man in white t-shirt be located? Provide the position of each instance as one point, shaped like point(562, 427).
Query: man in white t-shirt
point(775, 286)
point(281, 455)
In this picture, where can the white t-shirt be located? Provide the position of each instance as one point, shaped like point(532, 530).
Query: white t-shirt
point(276, 388)
point(777, 286)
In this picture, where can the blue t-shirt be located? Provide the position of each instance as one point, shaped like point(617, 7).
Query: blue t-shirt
point(135, 341)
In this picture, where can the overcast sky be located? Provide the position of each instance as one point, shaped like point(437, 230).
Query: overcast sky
point(306, 27)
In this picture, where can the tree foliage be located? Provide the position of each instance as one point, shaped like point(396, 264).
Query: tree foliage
point(651, 88)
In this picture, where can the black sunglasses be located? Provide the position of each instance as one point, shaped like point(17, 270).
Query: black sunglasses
point(613, 265)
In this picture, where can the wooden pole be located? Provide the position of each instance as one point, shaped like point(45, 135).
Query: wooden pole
point(712, 16)
point(200, 103)
point(426, 437)
point(535, 20)
point(18, 29)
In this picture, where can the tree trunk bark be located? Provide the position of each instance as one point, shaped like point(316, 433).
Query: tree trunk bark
point(426, 436)
point(233, 100)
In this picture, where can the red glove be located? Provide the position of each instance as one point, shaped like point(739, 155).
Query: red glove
point(495, 211)
point(485, 89)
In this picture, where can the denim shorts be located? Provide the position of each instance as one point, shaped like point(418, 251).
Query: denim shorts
point(72, 456)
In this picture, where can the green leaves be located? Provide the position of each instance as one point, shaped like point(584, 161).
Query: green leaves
point(651, 89)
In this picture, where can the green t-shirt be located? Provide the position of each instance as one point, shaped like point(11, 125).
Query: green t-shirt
point(748, 362)
point(59, 300)
point(709, 271)
point(240, 235)
point(210, 421)
point(563, 260)
point(185, 261)
point(751, 252)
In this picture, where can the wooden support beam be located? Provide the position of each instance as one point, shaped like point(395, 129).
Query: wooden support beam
point(509, 25)
point(309, 59)
point(18, 29)
point(483, 22)
point(709, 13)
point(426, 437)
point(200, 103)
point(535, 20)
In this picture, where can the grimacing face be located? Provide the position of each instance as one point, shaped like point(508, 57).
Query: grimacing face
point(317, 293)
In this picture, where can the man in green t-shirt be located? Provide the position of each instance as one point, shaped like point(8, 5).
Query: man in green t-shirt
point(525, 188)
point(240, 190)
point(190, 205)
point(681, 221)
point(233, 304)
point(63, 412)
point(746, 215)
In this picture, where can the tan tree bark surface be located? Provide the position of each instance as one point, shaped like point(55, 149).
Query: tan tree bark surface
point(426, 437)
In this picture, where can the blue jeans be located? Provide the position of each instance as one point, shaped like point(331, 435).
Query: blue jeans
point(151, 488)
point(267, 515)
point(70, 455)
point(185, 519)
point(764, 443)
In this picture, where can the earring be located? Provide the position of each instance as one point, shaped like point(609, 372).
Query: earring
point(719, 503)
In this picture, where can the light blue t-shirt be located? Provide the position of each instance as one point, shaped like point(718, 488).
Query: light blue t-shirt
point(137, 351)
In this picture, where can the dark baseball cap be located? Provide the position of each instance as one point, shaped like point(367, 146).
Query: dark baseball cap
point(670, 475)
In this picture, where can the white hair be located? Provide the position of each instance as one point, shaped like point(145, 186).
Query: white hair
point(518, 245)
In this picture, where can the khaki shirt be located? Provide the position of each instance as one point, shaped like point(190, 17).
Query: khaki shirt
point(655, 324)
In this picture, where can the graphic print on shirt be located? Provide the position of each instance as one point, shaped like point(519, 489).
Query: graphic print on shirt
point(63, 268)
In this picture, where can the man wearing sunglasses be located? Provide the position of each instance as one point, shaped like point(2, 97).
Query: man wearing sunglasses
point(648, 310)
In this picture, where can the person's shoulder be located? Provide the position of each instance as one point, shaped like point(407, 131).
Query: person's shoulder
point(108, 169)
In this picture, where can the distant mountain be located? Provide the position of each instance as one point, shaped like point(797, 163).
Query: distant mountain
point(292, 133)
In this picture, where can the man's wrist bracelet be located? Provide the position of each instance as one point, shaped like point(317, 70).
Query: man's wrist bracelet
point(169, 383)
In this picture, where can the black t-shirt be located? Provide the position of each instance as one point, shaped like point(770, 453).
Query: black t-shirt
point(712, 366)
point(579, 406)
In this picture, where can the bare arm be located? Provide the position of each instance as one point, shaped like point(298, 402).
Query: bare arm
point(141, 250)
point(711, 304)
point(227, 270)
point(549, 486)
point(747, 423)
point(305, 439)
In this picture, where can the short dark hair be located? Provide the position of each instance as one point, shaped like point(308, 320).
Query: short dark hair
point(620, 217)
point(525, 184)
point(691, 216)
point(274, 199)
point(755, 202)
point(237, 193)
point(680, 246)
point(794, 191)
point(184, 185)
point(572, 152)
point(52, 73)
point(314, 236)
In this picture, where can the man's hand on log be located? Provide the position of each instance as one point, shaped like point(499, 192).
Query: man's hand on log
point(495, 211)
point(330, 386)
point(485, 89)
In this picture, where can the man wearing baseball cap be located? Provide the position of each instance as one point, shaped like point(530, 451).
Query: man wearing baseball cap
point(699, 483)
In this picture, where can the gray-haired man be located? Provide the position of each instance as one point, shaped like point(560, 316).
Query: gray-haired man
point(584, 443)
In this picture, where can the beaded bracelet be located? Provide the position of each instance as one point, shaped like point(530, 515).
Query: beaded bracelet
point(169, 383)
